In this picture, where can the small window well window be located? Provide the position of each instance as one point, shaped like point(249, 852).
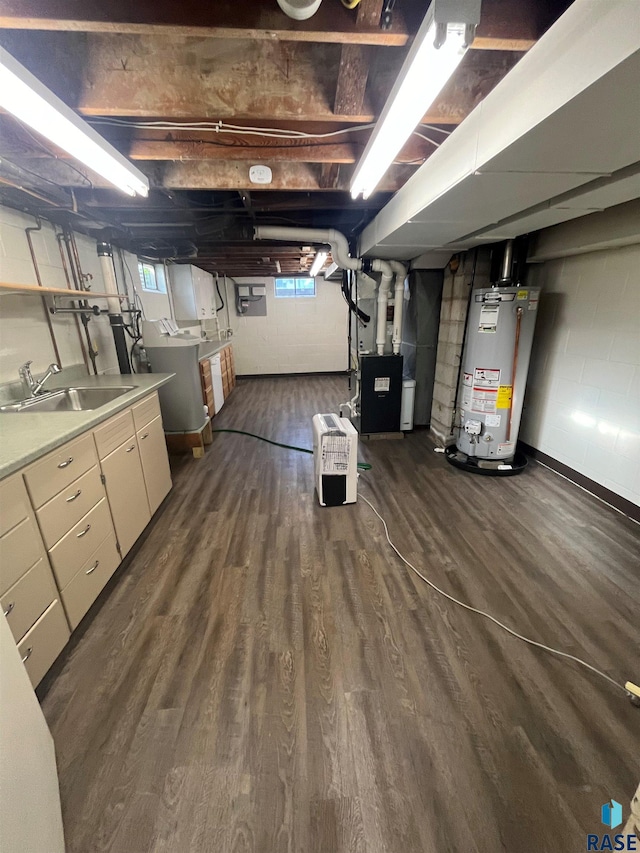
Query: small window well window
point(152, 277)
point(295, 287)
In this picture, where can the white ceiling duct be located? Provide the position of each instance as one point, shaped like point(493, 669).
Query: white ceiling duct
point(299, 10)
point(556, 139)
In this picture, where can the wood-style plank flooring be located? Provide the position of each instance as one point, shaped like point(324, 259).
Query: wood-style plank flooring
point(265, 675)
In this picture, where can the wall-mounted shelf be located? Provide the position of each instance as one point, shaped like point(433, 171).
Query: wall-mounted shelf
point(58, 291)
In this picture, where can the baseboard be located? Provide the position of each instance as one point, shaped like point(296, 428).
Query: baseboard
point(291, 375)
point(623, 505)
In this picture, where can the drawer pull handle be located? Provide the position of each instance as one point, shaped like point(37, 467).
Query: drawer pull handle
point(84, 532)
point(146, 435)
point(73, 497)
point(66, 463)
point(28, 654)
point(93, 567)
point(9, 608)
point(129, 449)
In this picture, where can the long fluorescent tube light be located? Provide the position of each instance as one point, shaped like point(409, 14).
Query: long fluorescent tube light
point(29, 100)
point(424, 74)
point(318, 263)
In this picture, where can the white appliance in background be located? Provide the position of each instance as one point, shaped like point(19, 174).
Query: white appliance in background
point(335, 458)
point(216, 382)
point(30, 815)
point(407, 405)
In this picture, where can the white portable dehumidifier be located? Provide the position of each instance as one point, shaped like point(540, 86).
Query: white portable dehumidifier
point(335, 457)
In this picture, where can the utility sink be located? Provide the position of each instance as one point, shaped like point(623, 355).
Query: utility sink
point(78, 399)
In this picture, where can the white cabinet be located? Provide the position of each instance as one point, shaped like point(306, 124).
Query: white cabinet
point(30, 815)
point(62, 518)
point(126, 492)
point(193, 293)
point(155, 462)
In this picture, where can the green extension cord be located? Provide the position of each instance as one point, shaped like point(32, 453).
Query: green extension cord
point(364, 466)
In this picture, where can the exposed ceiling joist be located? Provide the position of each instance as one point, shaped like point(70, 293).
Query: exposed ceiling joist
point(221, 175)
point(502, 27)
point(177, 78)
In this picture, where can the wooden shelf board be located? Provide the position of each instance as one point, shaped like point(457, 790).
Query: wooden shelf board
point(58, 291)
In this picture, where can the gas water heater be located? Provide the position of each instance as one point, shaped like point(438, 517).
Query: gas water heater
point(493, 377)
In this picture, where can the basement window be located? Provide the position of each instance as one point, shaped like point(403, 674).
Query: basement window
point(295, 287)
point(152, 277)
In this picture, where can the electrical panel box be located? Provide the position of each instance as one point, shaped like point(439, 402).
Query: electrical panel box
point(380, 393)
point(251, 299)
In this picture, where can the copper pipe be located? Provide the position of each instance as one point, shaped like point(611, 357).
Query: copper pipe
point(65, 269)
point(45, 307)
point(514, 367)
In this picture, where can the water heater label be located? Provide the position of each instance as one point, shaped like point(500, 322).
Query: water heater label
point(533, 302)
point(488, 319)
point(381, 383)
point(486, 377)
point(504, 396)
point(492, 420)
point(484, 400)
point(522, 294)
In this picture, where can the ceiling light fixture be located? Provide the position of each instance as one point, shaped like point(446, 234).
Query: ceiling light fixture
point(318, 263)
point(442, 40)
point(29, 100)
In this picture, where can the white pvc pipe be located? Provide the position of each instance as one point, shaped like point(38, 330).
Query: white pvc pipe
point(383, 300)
point(337, 241)
point(110, 283)
point(398, 305)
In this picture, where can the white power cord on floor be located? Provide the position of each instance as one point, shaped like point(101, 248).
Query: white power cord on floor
point(630, 689)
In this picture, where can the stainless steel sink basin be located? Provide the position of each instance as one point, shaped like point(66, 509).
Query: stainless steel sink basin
point(77, 399)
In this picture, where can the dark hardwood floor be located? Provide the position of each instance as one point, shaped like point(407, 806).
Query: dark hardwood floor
point(265, 675)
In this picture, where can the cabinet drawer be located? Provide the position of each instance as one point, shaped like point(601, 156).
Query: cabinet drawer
point(46, 478)
point(44, 642)
point(75, 548)
point(113, 433)
point(60, 514)
point(20, 548)
point(29, 598)
point(85, 587)
point(14, 502)
point(145, 411)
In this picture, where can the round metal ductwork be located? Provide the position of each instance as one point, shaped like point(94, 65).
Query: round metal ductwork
point(299, 10)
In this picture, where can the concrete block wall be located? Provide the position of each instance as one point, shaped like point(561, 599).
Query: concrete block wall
point(298, 335)
point(23, 329)
point(453, 313)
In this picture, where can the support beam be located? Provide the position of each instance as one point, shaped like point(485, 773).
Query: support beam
point(229, 19)
point(177, 78)
point(219, 175)
point(505, 25)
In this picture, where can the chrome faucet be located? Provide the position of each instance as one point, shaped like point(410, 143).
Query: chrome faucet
point(29, 385)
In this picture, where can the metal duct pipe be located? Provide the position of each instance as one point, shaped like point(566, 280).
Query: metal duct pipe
point(105, 253)
point(400, 272)
point(507, 262)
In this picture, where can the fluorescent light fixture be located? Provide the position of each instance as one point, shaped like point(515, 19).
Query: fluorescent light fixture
point(424, 74)
point(318, 263)
point(29, 100)
point(330, 270)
